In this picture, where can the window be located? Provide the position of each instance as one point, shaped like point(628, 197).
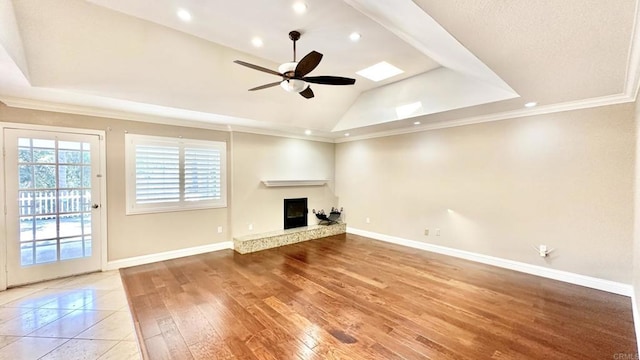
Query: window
point(171, 174)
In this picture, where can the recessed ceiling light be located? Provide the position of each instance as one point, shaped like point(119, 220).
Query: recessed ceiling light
point(300, 7)
point(416, 123)
point(354, 36)
point(184, 15)
point(347, 134)
point(257, 42)
point(530, 104)
point(307, 132)
point(380, 71)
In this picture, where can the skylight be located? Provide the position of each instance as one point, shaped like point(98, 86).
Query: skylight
point(380, 71)
point(409, 110)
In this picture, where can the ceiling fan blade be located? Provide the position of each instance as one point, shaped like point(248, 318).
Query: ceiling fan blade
point(256, 67)
point(308, 63)
point(329, 80)
point(307, 93)
point(265, 86)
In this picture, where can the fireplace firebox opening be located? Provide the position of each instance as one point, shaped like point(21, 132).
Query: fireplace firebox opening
point(295, 213)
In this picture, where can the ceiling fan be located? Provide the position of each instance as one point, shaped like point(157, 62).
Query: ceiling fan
point(294, 73)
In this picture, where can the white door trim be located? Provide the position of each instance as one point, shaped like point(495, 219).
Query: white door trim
point(103, 184)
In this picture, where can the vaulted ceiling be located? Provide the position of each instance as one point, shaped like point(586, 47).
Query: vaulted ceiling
point(462, 60)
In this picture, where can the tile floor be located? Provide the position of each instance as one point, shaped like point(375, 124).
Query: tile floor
point(81, 317)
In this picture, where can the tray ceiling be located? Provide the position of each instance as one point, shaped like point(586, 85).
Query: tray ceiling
point(460, 59)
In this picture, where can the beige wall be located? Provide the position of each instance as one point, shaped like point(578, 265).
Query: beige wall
point(260, 157)
point(564, 180)
point(636, 246)
point(137, 235)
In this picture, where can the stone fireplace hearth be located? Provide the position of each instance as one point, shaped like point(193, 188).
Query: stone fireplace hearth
point(256, 242)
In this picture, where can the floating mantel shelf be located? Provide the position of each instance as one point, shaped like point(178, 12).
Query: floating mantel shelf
point(278, 183)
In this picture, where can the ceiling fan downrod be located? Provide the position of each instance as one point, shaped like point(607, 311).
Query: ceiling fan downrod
point(294, 36)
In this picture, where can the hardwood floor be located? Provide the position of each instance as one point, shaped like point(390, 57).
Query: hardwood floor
point(350, 297)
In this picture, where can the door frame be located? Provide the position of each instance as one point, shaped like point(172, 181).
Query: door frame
point(103, 189)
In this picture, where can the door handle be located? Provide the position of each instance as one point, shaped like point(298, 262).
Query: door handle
point(95, 206)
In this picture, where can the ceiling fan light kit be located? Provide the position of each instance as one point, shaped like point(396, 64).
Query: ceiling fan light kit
point(293, 85)
point(288, 67)
point(294, 73)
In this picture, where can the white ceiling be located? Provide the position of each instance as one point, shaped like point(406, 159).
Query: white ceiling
point(462, 59)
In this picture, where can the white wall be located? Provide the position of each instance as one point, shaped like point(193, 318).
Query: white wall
point(260, 157)
point(10, 40)
point(564, 180)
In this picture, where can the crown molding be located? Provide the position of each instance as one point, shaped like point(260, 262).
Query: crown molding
point(541, 110)
point(279, 133)
point(40, 105)
point(629, 94)
point(32, 104)
point(632, 84)
point(202, 120)
point(123, 115)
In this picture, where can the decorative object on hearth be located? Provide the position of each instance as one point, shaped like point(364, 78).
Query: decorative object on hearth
point(333, 218)
point(294, 74)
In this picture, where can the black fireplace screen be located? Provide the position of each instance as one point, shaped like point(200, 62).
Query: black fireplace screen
point(295, 213)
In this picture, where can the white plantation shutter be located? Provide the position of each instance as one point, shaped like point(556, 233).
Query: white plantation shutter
point(157, 174)
point(201, 174)
point(171, 174)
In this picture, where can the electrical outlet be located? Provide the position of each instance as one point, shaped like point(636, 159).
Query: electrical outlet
point(437, 232)
point(543, 250)
point(219, 229)
point(426, 232)
point(367, 220)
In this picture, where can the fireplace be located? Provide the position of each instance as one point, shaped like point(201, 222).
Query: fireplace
point(295, 213)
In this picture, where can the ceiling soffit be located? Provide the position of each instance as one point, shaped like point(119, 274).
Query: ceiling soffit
point(551, 52)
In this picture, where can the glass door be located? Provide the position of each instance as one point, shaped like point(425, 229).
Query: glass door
point(53, 204)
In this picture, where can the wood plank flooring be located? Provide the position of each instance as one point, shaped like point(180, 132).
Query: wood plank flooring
point(348, 297)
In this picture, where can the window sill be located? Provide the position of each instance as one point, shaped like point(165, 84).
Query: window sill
point(166, 210)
